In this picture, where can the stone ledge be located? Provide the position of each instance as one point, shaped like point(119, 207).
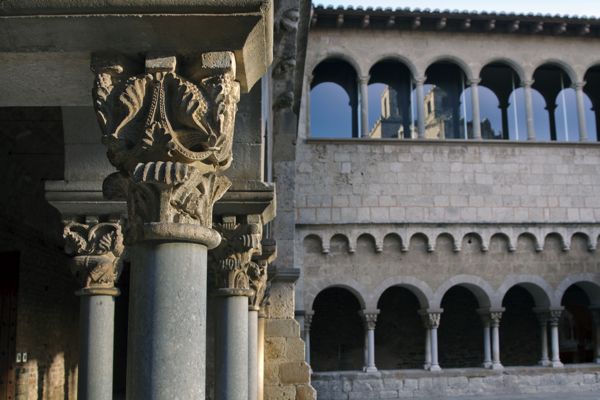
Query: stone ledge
point(454, 142)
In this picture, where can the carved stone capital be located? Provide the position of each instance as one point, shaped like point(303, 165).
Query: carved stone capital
point(232, 261)
point(308, 317)
point(495, 317)
point(431, 318)
point(96, 249)
point(257, 273)
point(554, 316)
point(169, 136)
point(370, 318)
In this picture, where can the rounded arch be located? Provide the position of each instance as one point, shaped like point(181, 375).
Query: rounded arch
point(508, 62)
point(456, 241)
point(336, 55)
point(482, 290)
point(399, 58)
point(349, 284)
point(452, 60)
point(588, 282)
point(312, 236)
point(538, 288)
point(417, 287)
point(555, 62)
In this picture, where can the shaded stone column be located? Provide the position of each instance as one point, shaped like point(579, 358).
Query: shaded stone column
point(503, 106)
point(434, 323)
point(233, 267)
point(426, 325)
point(363, 82)
point(171, 179)
point(495, 317)
point(583, 134)
point(596, 319)
point(542, 316)
point(487, 346)
point(529, 110)
point(96, 248)
point(261, 354)
point(419, 83)
point(370, 319)
point(551, 108)
point(475, 108)
point(308, 316)
point(554, 319)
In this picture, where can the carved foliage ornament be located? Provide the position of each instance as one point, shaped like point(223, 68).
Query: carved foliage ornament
point(232, 259)
point(257, 273)
point(96, 250)
point(170, 135)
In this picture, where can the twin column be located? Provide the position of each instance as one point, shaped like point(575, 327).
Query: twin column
point(370, 319)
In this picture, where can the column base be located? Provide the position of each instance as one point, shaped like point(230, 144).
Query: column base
point(557, 364)
point(487, 364)
point(544, 363)
point(497, 367)
point(426, 367)
point(370, 369)
point(435, 368)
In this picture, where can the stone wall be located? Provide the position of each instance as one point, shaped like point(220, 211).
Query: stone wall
point(413, 384)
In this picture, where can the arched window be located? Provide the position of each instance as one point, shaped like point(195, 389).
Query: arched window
point(445, 98)
point(337, 332)
point(334, 100)
point(391, 111)
point(592, 102)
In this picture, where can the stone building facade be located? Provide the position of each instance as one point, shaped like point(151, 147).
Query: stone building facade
point(465, 264)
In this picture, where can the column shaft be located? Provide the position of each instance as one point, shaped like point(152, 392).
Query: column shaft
point(427, 364)
point(252, 354)
point(487, 347)
point(475, 109)
point(261, 357)
point(496, 348)
point(420, 108)
point(597, 344)
point(364, 106)
point(371, 351)
point(583, 135)
point(167, 321)
point(544, 361)
point(231, 367)
point(529, 111)
point(435, 366)
point(556, 363)
point(97, 338)
point(307, 346)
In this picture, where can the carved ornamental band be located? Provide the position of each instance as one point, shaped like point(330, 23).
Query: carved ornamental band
point(96, 249)
point(169, 137)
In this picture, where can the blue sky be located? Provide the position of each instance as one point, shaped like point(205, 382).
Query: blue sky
point(574, 7)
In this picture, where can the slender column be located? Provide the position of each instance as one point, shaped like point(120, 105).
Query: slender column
point(551, 108)
point(583, 134)
point(308, 316)
point(475, 108)
point(170, 191)
point(261, 354)
point(97, 248)
point(427, 327)
point(364, 105)
point(495, 317)
point(253, 352)
point(542, 316)
point(487, 346)
point(504, 105)
point(370, 318)
point(419, 83)
point(596, 319)
point(529, 110)
point(434, 323)
point(234, 269)
point(554, 320)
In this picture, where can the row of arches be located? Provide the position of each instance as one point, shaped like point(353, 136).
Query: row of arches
point(449, 102)
point(344, 242)
point(337, 331)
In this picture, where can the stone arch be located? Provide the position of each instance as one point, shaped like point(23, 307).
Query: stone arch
point(540, 290)
point(451, 59)
point(588, 282)
point(565, 241)
point(341, 236)
point(509, 242)
point(312, 236)
point(371, 239)
point(566, 67)
point(417, 287)
point(397, 58)
point(476, 235)
point(350, 284)
point(515, 66)
point(430, 245)
point(482, 290)
point(537, 245)
point(588, 238)
point(396, 236)
point(456, 243)
point(340, 55)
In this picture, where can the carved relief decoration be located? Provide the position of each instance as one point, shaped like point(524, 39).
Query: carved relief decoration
point(232, 259)
point(96, 250)
point(170, 135)
point(257, 273)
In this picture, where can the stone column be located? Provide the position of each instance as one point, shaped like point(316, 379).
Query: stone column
point(596, 319)
point(370, 318)
point(529, 110)
point(233, 267)
point(434, 324)
point(554, 320)
point(487, 347)
point(419, 83)
point(253, 352)
point(308, 316)
point(364, 105)
point(475, 103)
point(96, 248)
point(426, 325)
point(583, 134)
point(261, 354)
point(495, 317)
point(504, 105)
point(170, 138)
point(551, 108)
point(542, 317)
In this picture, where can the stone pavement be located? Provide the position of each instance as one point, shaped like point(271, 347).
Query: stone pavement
point(546, 396)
